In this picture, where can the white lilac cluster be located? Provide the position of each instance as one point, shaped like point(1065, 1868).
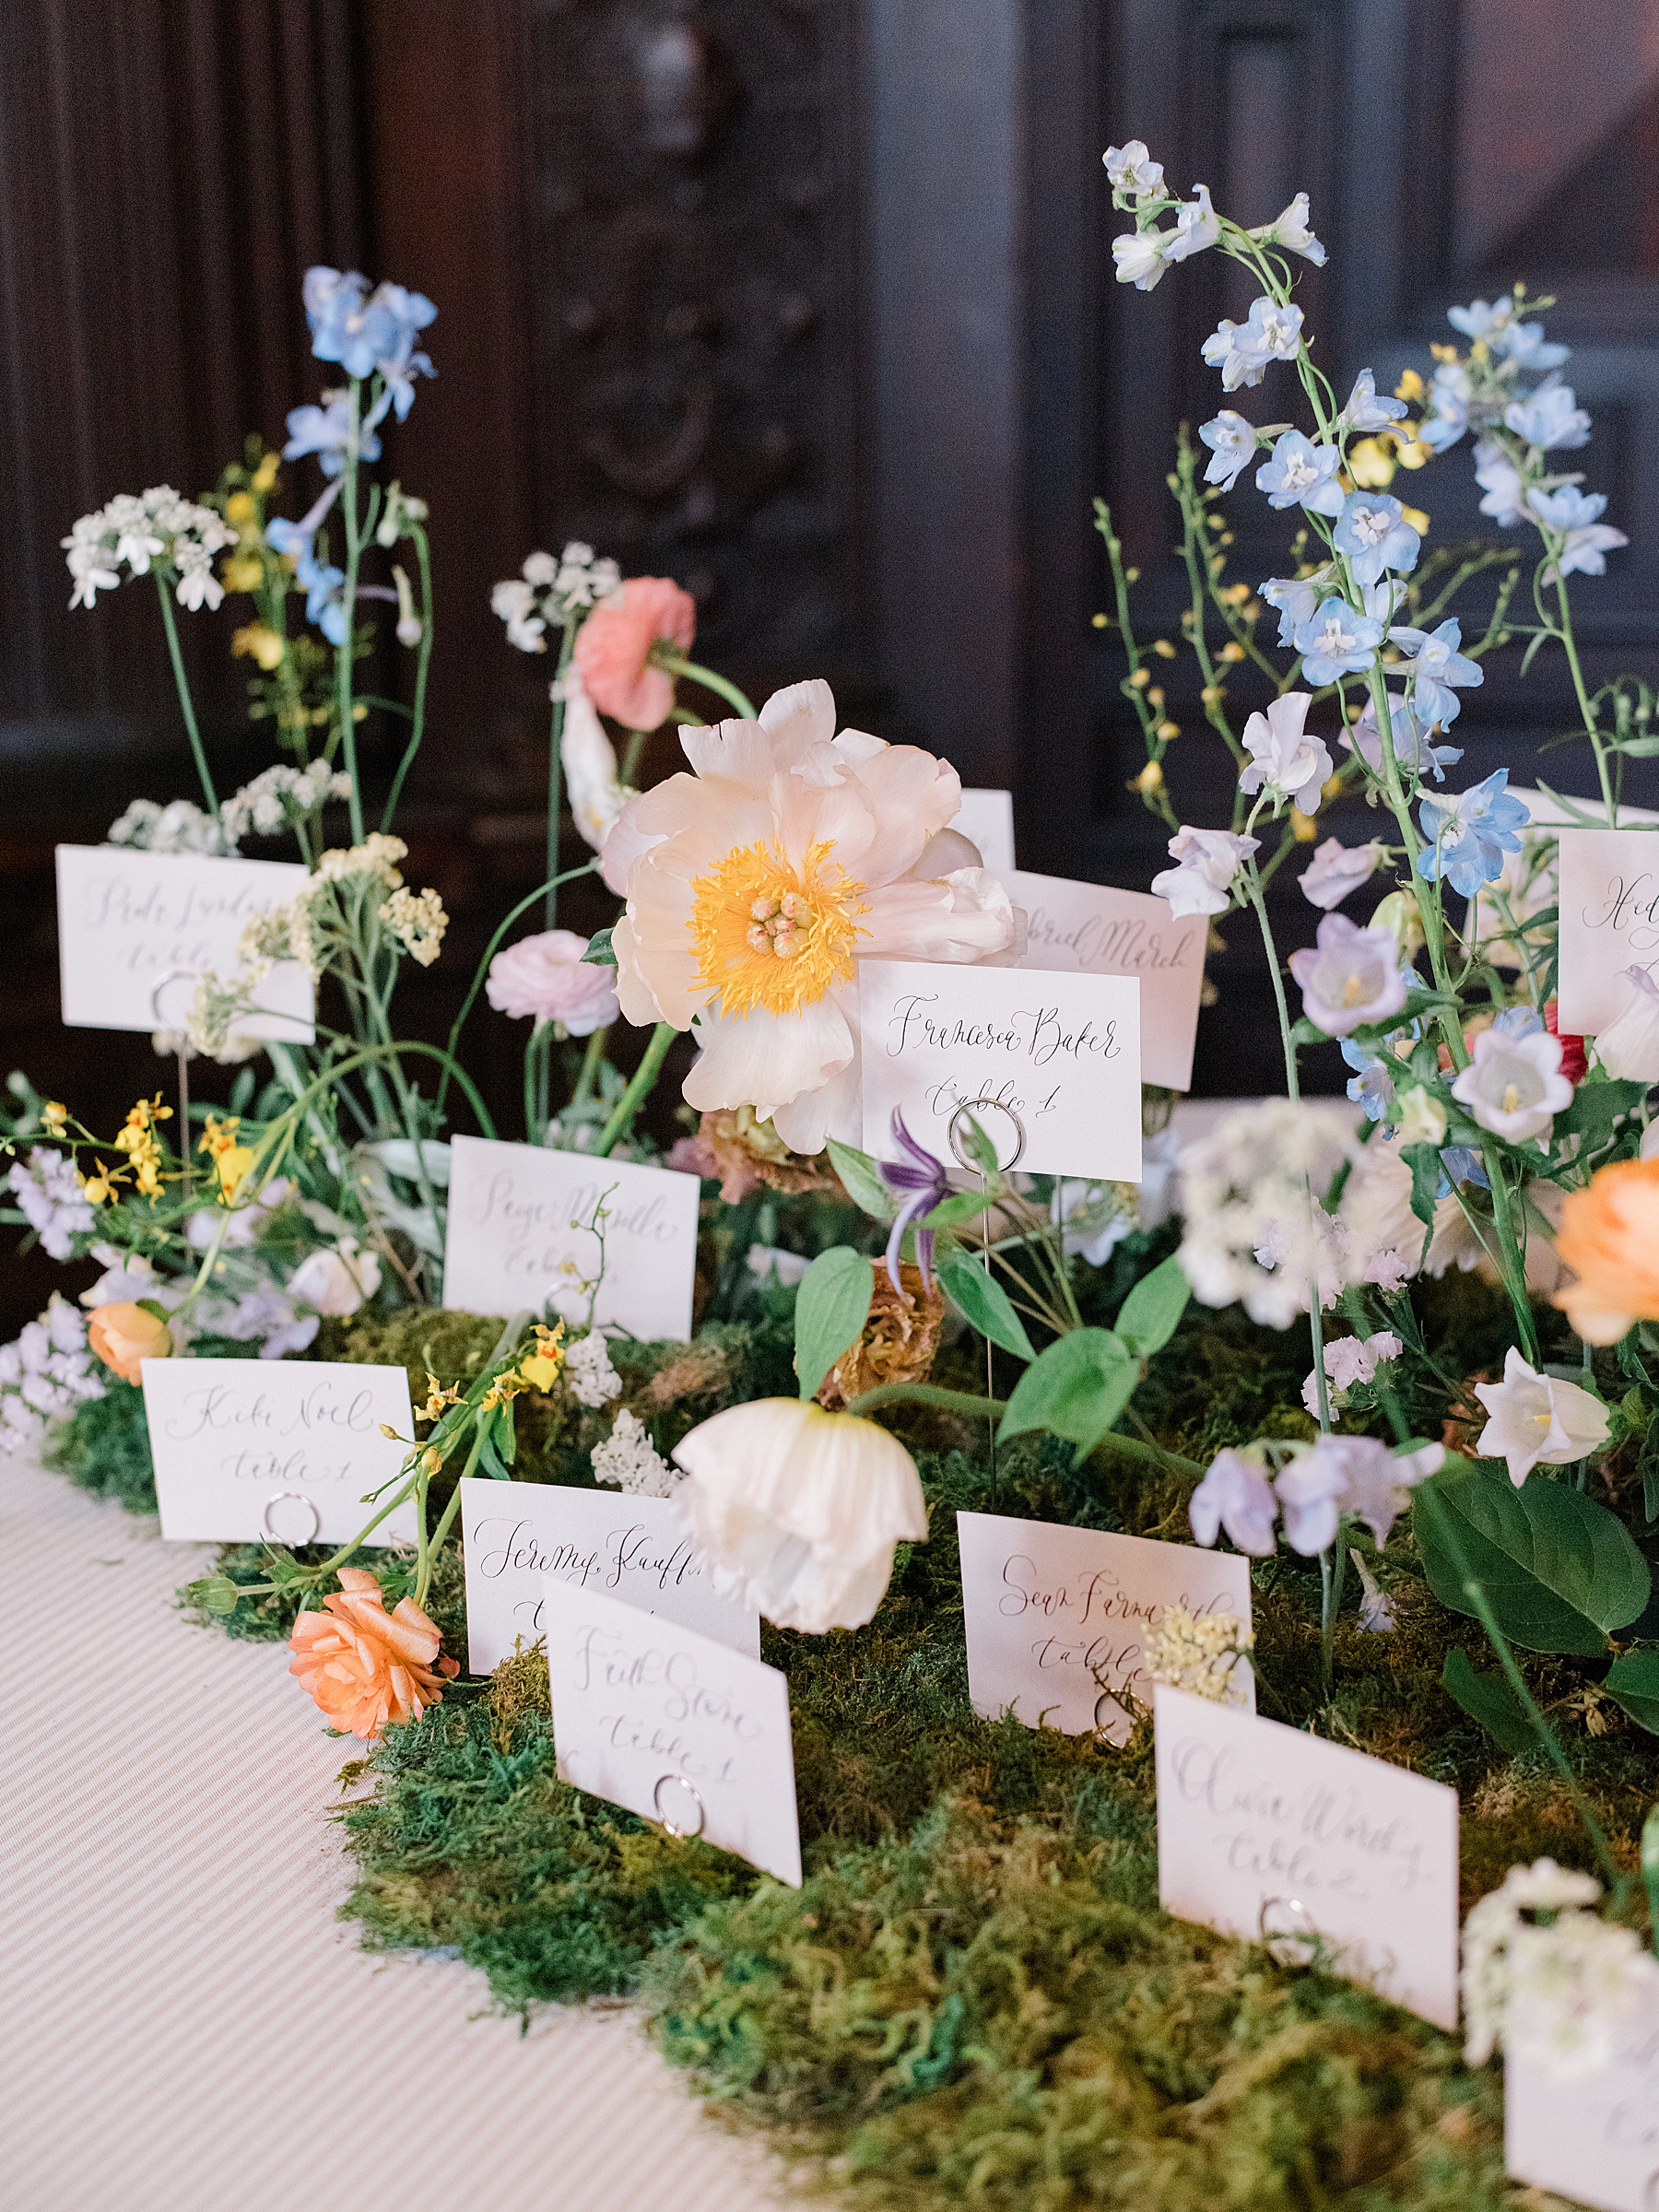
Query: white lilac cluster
point(1338, 1479)
point(180, 827)
point(1254, 1229)
point(47, 1371)
point(592, 1380)
point(281, 796)
point(48, 1191)
point(157, 527)
point(548, 591)
point(629, 1459)
point(1207, 1656)
point(1557, 1987)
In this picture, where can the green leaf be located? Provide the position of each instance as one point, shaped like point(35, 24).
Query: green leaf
point(981, 1149)
point(1076, 1389)
point(1558, 1570)
point(599, 949)
point(831, 1306)
point(983, 1303)
point(950, 1212)
point(1633, 1681)
point(860, 1181)
point(1489, 1700)
point(1149, 1316)
point(1597, 1106)
point(1424, 1162)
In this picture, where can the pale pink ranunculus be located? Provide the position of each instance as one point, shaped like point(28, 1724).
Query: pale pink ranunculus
point(612, 649)
point(545, 979)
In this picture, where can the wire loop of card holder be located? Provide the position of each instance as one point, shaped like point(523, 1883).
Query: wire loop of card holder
point(1292, 1946)
point(309, 1504)
point(177, 975)
point(954, 1135)
point(672, 1827)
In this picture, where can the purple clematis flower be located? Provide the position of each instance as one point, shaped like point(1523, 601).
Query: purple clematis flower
point(922, 1183)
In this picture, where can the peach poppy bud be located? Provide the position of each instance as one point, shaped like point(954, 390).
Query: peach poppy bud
point(122, 1336)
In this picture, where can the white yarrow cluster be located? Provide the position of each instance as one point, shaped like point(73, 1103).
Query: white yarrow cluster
point(1206, 1655)
point(417, 921)
point(548, 591)
point(588, 1370)
point(47, 1373)
point(280, 797)
point(180, 826)
point(48, 1191)
point(134, 531)
point(1556, 1991)
point(629, 1459)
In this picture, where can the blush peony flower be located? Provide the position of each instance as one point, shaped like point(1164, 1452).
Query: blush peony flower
point(1533, 1419)
point(1609, 1237)
point(797, 1512)
point(1513, 1086)
point(367, 1667)
point(785, 855)
point(615, 644)
point(545, 979)
point(1350, 976)
point(122, 1335)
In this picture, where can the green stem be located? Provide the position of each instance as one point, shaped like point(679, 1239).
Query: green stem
point(698, 673)
point(343, 652)
point(555, 770)
point(640, 1083)
point(169, 622)
point(590, 1066)
point(1650, 1870)
point(962, 1402)
point(1333, 1571)
point(491, 949)
point(429, 1549)
point(1570, 646)
point(417, 725)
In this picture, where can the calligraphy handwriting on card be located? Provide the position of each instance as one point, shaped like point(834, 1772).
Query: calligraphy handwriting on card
point(1092, 928)
point(1057, 1618)
point(1593, 2137)
point(136, 930)
point(289, 1449)
point(1062, 1053)
point(1609, 923)
point(672, 1725)
point(524, 1231)
point(1262, 1830)
point(516, 1534)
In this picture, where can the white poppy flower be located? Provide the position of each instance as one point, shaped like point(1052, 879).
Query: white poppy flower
point(797, 1512)
point(1629, 1047)
point(1535, 1419)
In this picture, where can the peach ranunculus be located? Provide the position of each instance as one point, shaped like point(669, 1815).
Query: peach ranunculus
point(785, 855)
point(615, 644)
point(365, 1666)
point(124, 1335)
point(1609, 1237)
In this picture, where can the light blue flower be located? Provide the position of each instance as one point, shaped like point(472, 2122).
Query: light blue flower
point(1372, 1086)
point(1552, 418)
point(326, 431)
point(1527, 346)
point(1302, 474)
point(1500, 480)
point(365, 331)
point(1448, 411)
point(1568, 509)
point(1519, 1021)
point(1460, 1163)
point(1365, 412)
point(1436, 664)
point(1241, 351)
point(1233, 444)
point(1372, 530)
point(1409, 737)
point(1481, 317)
point(1295, 597)
point(1470, 831)
point(1196, 226)
point(324, 602)
point(1585, 550)
point(1334, 641)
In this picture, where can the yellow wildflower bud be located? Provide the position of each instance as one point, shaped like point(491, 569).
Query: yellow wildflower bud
point(359, 711)
point(240, 508)
point(1213, 694)
point(1480, 351)
point(1226, 538)
point(232, 1165)
point(98, 1190)
point(1232, 651)
point(1141, 676)
point(1131, 575)
point(1163, 648)
point(386, 1429)
point(1101, 621)
point(241, 573)
point(1416, 518)
point(1149, 779)
point(1303, 828)
point(1371, 464)
point(1412, 453)
point(431, 1461)
point(261, 642)
point(1168, 730)
point(1155, 696)
point(1443, 353)
point(265, 476)
point(1253, 611)
point(53, 1118)
point(1410, 386)
point(1331, 788)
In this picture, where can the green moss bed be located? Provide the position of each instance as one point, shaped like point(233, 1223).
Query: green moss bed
point(974, 1999)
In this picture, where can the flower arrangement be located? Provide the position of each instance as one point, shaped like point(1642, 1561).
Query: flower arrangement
point(1471, 1422)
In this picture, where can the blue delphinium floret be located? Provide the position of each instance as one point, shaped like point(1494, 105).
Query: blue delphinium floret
point(1470, 831)
point(1303, 474)
point(1334, 640)
point(1372, 530)
point(1436, 665)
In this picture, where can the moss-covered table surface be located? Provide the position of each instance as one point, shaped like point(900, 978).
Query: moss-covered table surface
point(186, 2025)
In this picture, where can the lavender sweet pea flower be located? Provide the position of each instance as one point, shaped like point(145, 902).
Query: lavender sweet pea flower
point(1303, 474)
point(1335, 870)
point(1334, 640)
point(923, 1182)
point(1365, 412)
point(1409, 737)
point(1310, 1492)
point(1372, 530)
point(1233, 444)
point(1470, 831)
point(1436, 665)
point(1284, 759)
point(1207, 862)
point(1354, 1474)
point(1349, 977)
point(1552, 418)
point(1235, 1495)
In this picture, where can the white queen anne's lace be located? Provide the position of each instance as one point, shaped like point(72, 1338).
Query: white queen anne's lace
point(132, 531)
point(628, 1458)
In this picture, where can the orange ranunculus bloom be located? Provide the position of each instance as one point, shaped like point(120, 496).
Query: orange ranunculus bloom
point(612, 649)
point(366, 1666)
point(123, 1335)
point(1609, 1237)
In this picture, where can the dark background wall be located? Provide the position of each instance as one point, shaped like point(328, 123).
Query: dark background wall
point(806, 303)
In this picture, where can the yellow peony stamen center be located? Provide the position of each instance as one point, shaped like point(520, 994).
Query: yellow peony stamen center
point(767, 937)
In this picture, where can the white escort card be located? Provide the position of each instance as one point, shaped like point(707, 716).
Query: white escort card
point(516, 1534)
point(1060, 1053)
point(1057, 1618)
point(285, 1449)
point(1266, 1832)
point(136, 930)
point(672, 1725)
point(1590, 2136)
point(1609, 882)
point(525, 1232)
point(1096, 929)
point(986, 819)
